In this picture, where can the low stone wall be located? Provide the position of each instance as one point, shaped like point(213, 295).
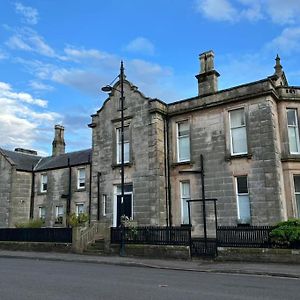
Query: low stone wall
point(154, 251)
point(259, 255)
point(39, 247)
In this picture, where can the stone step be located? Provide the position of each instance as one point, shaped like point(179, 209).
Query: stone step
point(93, 252)
point(98, 245)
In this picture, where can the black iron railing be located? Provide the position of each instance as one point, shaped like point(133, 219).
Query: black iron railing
point(51, 235)
point(202, 247)
point(152, 235)
point(244, 236)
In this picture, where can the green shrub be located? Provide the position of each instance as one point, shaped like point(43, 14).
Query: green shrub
point(32, 223)
point(286, 233)
point(79, 220)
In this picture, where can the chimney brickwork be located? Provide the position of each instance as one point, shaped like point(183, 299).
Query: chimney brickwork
point(58, 144)
point(208, 76)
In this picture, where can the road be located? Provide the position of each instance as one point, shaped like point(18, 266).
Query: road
point(34, 279)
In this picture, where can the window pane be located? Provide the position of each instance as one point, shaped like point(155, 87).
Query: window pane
point(44, 180)
point(297, 184)
point(291, 116)
point(60, 210)
point(79, 209)
point(185, 190)
point(184, 148)
point(242, 185)
point(126, 145)
point(126, 134)
point(244, 208)
point(104, 199)
point(239, 140)
point(185, 212)
point(298, 205)
point(237, 118)
point(183, 128)
point(185, 195)
point(126, 152)
point(42, 212)
point(293, 142)
point(127, 188)
point(82, 173)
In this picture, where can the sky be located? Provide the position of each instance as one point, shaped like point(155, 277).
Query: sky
point(55, 55)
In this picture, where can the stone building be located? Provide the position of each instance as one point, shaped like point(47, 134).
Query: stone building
point(46, 188)
point(248, 136)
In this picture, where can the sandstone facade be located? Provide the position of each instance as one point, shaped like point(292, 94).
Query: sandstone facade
point(248, 136)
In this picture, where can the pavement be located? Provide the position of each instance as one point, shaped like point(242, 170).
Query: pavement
point(263, 269)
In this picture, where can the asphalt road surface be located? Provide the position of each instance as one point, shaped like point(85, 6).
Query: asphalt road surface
point(34, 279)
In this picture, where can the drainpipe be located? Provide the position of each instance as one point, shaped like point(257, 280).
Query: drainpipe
point(90, 191)
point(32, 194)
point(168, 166)
point(166, 172)
point(98, 195)
point(69, 192)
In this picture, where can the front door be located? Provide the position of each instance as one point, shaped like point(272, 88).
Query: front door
point(127, 207)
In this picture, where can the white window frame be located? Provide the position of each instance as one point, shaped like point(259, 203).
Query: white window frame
point(104, 204)
point(184, 198)
point(77, 205)
point(231, 129)
point(240, 221)
point(42, 216)
point(44, 183)
point(119, 145)
point(183, 137)
point(297, 211)
point(296, 128)
point(81, 179)
point(58, 214)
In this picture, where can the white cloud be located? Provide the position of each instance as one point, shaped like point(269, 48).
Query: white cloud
point(287, 42)
point(16, 42)
point(27, 39)
point(40, 86)
point(22, 118)
point(283, 12)
point(142, 45)
point(218, 10)
point(152, 79)
point(278, 11)
point(6, 92)
point(80, 54)
point(30, 15)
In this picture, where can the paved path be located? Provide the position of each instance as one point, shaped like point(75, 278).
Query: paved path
point(269, 269)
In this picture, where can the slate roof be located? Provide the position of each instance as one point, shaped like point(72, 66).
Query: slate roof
point(22, 161)
point(25, 162)
point(61, 161)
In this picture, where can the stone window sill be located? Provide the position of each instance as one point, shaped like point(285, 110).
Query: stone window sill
point(291, 157)
point(238, 156)
point(42, 193)
point(127, 164)
point(182, 163)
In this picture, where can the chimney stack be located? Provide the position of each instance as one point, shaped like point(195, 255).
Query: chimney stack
point(58, 144)
point(208, 76)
